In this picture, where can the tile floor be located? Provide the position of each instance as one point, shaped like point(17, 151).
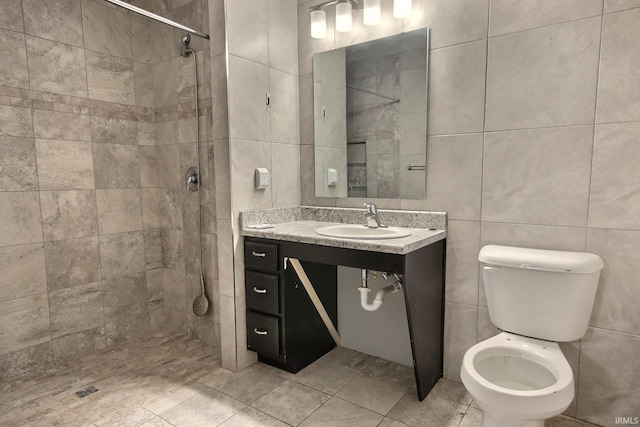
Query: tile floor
point(175, 381)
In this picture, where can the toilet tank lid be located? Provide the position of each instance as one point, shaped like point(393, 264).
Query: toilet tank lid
point(541, 259)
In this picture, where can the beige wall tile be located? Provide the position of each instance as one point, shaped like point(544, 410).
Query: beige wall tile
point(56, 67)
point(286, 174)
point(617, 5)
point(505, 18)
point(113, 131)
point(283, 35)
point(19, 218)
point(284, 107)
point(148, 156)
point(254, 44)
point(22, 271)
point(13, 68)
point(172, 242)
point(614, 197)
point(11, 17)
point(106, 29)
point(18, 164)
point(460, 324)
point(68, 214)
point(537, 176)
point(525, 72)
point(119, 210)
point(143, 84)
point(67, 347)
point(452, 21)
point(174, 291)
point(618, 294)
point(72, 262)
point(60, 20)
point(122, 253)
point(64, 165)
point(116, 166)
point(456, 89)
point(24, 362)
point(463, 245)
point(618, 89)
point(454, 175)
point(59, 125)
point(24, 322)
point(249, 114)
point(134, 327)
point(608, 384)
point(110, 78)
point(165, 86)
point(125, 296)
point(16, 121)
point(76, 309)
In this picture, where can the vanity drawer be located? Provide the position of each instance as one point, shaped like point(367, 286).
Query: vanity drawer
point(262, 292)
point(263, 256)
point(263, 334)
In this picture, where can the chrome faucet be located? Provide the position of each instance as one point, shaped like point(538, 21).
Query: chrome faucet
point(373, 221)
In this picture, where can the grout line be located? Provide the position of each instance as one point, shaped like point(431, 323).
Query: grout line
point(593, 132)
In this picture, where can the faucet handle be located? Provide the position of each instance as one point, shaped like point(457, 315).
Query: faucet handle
point(371, 209)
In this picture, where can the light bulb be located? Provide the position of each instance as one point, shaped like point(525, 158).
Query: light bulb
point(343, 17)
point(371, 13)
point(318, 24)
point(401, 8)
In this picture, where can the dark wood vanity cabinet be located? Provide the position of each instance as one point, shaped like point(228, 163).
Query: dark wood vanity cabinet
point(283, 326)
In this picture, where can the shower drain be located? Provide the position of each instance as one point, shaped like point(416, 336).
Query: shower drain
point(86, 391)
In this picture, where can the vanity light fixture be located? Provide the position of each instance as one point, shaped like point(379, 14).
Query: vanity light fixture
point(371, 12)
point(401, 8)
point(318, 23)
point(344, 20)
point(343, 16)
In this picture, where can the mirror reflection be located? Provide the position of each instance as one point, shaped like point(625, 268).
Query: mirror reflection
point(370, 118)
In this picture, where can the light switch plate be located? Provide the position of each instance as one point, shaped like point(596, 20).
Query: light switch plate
point(263, 178)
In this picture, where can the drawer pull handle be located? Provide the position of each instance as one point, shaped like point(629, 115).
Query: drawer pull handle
point(259, 332)
point(259, 291)
point(259, 254)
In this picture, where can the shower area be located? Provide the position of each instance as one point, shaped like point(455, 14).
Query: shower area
point(103, 239)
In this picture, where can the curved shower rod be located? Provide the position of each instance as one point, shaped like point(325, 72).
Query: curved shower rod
point(158, 18)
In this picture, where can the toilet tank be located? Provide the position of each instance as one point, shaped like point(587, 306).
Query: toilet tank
point(540, 293)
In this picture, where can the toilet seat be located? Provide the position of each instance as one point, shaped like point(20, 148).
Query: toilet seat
point(516, 377)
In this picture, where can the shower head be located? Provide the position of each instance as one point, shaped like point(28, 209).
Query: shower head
point(184, 49)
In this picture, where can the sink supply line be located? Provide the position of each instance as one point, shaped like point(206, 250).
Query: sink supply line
point(378, 300)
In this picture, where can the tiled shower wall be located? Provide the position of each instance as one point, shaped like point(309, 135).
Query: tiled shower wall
point(96, 238)
point(533, 128)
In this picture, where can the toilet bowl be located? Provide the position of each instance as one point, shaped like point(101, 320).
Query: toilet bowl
point(537, 298)
point(518, 381)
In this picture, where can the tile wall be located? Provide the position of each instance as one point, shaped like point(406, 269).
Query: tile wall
point(99, 243)
point(260, 61)
point(533, 124)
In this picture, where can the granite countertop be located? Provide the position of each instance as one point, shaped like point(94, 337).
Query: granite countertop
point(303, 231)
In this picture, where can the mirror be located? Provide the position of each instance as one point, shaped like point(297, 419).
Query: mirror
point(370, 118)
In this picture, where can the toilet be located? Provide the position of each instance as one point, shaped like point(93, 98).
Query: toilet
point(537, 298)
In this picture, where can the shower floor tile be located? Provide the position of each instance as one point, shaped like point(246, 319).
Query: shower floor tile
point(176, 381)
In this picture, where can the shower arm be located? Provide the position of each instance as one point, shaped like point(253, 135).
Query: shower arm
point(158, 18)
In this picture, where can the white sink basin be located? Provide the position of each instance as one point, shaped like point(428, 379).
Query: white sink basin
point(356, 231)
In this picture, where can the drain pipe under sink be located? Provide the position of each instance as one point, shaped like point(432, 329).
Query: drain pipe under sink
point(378, 300)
